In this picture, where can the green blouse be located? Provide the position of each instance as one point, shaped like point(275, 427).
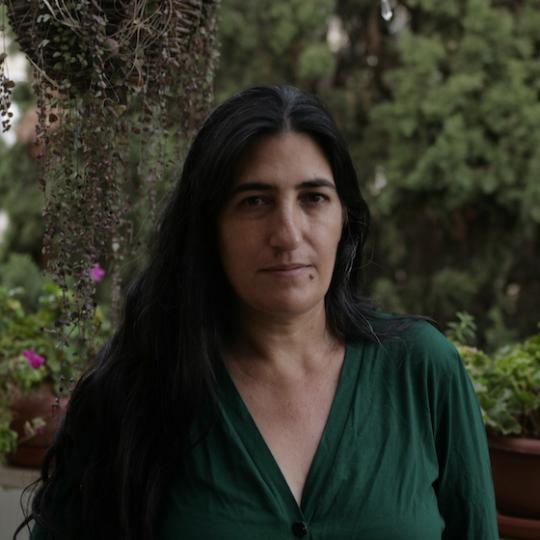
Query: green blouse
point(403, 456)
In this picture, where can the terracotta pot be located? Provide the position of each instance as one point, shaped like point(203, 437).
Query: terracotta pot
point(43, 403)
point(518, 529)
point(515, 463)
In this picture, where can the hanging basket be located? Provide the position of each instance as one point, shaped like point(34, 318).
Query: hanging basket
point(69, 41)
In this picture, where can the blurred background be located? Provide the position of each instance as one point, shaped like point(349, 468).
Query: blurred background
point(441, 110)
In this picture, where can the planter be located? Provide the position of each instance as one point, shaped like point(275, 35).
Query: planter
point(515, 465)
point(41, 35)
point(43, 403)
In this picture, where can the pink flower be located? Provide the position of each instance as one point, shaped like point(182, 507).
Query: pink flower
point(97, 273)
point(34, 359)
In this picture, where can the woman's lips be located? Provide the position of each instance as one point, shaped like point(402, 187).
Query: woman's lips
point(287, 269)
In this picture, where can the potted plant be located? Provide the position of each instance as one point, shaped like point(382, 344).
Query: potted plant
point(507, 384)
point(36, 373)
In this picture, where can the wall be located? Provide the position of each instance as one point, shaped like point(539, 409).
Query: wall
point(12, 483)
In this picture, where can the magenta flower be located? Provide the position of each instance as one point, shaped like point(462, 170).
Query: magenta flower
point(97, 273)
point(34, 359)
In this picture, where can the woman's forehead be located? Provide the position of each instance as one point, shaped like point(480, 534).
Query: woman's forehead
point(296, 156)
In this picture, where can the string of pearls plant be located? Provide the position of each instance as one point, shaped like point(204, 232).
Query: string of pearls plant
point(121, 85)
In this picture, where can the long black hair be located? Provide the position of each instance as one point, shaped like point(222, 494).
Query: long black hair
point(131, 416)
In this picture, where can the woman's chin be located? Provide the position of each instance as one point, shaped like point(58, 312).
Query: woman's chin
point(286, 306)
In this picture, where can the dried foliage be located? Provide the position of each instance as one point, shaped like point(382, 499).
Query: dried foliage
point(111, 78)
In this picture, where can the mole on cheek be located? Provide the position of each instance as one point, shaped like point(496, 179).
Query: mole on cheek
point(310, 276)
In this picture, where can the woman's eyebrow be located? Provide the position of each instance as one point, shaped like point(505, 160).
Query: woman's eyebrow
point(316, 183)
point(251, 186)
point(264, 186)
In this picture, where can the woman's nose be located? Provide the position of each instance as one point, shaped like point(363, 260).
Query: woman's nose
point(285, 229)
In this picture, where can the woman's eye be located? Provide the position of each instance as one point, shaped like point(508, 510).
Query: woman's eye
point(254, 202)
point(315, 198)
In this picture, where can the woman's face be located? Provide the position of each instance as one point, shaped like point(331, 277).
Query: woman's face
point(279, 229)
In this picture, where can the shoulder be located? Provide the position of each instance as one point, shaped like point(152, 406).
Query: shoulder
point(419, 352)
point(433, 366)
point(421, 343)
point(423, 338)
point(416, 354)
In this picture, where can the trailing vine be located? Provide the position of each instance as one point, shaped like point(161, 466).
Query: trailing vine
point(113, 79)
point(6, 84)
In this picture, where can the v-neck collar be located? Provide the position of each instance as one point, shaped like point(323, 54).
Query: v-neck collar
point(323, 459)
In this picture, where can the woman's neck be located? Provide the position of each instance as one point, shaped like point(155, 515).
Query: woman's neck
point(279, 346)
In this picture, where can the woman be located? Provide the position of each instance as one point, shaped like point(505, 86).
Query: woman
point(249, 391)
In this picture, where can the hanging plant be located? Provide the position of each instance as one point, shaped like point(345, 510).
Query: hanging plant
point(112, 78)
point(6, 86)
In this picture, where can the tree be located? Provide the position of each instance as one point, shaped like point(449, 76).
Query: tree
point(441, 109)
point(458, 138)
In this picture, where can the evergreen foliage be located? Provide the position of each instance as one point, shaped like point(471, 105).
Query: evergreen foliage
point(441, 108)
